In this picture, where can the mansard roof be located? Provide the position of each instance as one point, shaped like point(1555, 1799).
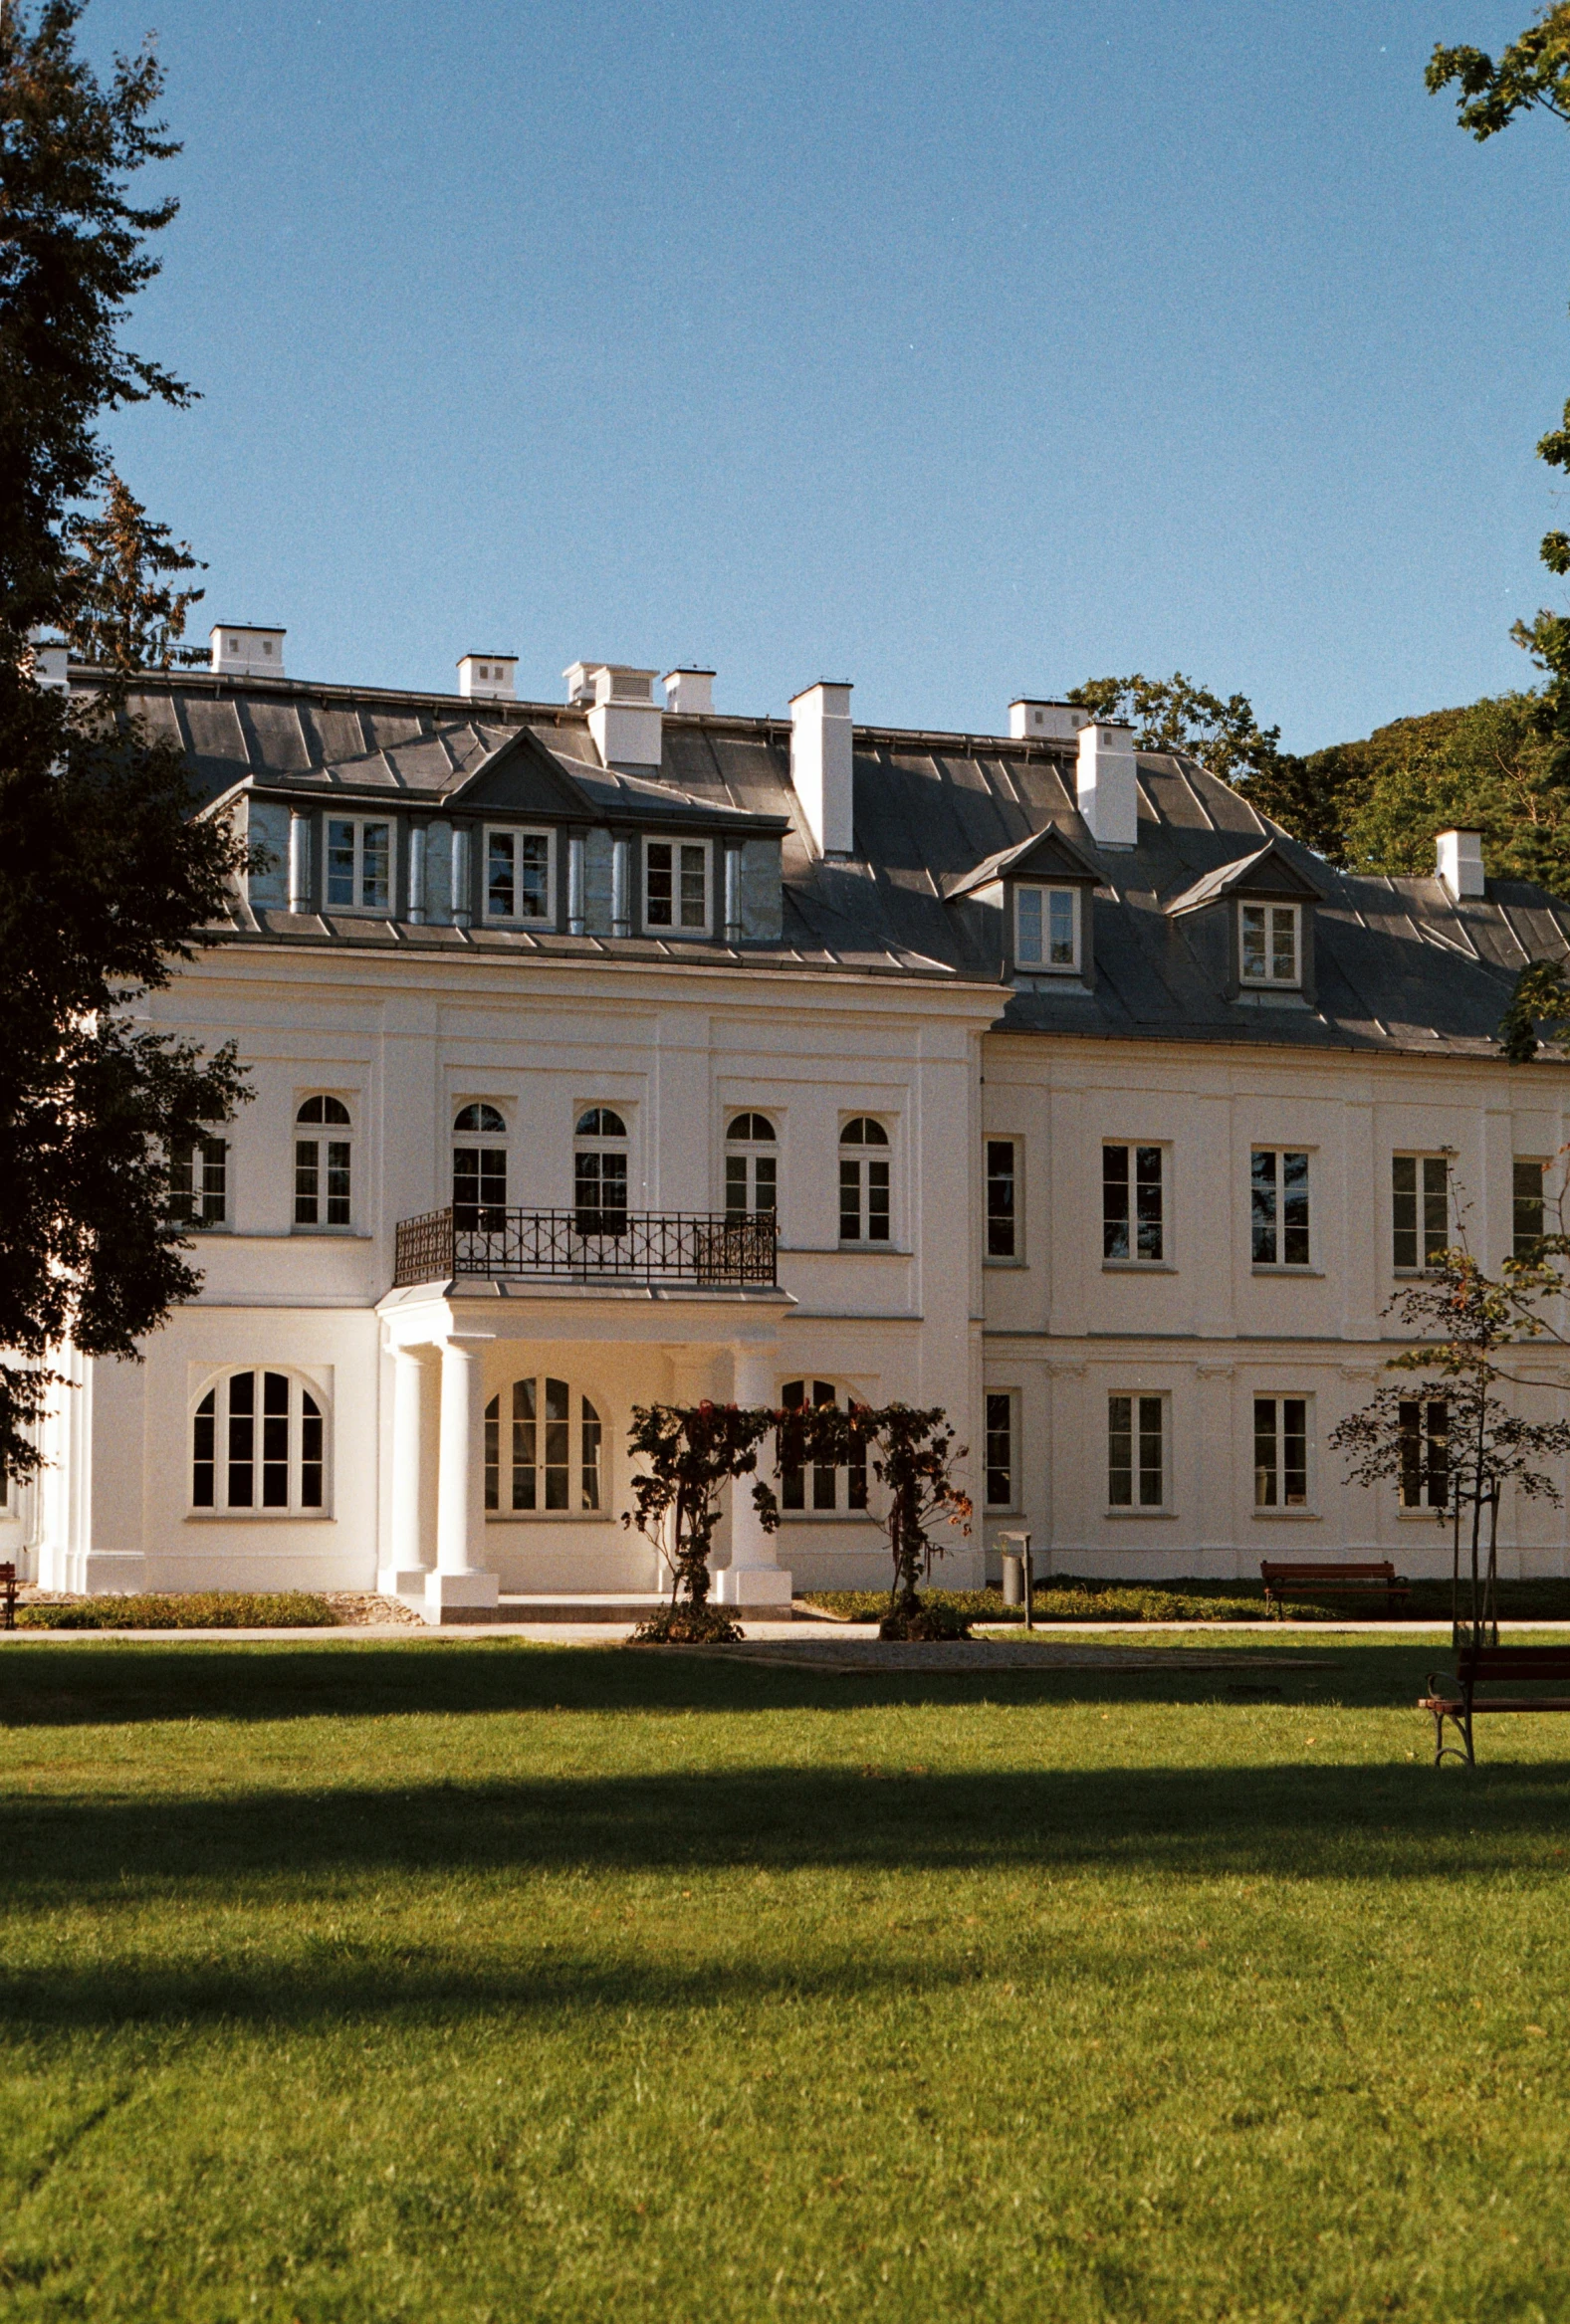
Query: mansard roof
point(1400, 965)
point(1045, 855)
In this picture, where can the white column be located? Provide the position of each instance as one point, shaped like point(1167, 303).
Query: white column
point(574, 884)
point(461, 914)
point(419, 839)
point(459, 1580)
point(298, 860)
point(753, 1577)
point(404, 1573)
point(732, 895)
point(621, 887)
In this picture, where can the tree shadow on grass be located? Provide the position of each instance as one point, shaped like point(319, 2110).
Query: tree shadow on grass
point(58, 1685)
point(1382, 1821)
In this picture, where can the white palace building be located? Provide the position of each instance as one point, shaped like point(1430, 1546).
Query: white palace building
point(622, 1050)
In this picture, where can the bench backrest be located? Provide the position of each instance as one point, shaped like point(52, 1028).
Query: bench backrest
point(1275, 1570)
point(1513, 1662)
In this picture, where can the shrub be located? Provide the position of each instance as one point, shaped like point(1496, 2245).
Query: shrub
point(687, 1622)
point(186, 1609)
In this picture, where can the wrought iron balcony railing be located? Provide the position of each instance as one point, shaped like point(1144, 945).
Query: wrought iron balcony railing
point(721, 1251)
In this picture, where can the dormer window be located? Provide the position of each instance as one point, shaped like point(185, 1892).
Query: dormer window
point(1271, 947)
point(1045, 928)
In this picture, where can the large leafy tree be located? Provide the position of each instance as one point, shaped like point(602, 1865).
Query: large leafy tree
point(125, 613)
point(105, 877)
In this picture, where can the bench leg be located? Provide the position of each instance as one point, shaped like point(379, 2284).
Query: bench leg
point(1460, 1717)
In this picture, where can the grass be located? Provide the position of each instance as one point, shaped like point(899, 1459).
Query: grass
point(443, 1981)
point(1071, 1597)
point(184, 1610)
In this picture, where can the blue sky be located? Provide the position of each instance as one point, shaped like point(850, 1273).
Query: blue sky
point(962, 350)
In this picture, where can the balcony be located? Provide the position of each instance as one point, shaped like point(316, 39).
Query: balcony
point(708, 1250)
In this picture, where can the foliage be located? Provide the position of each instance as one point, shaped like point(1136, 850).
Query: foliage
point(688, 1453)
point(72, 254)
point(124, 615)
point(1463, 1322)
point(186, 1609)
point(433, 1979)
point(1539, 1002)
point(1534, 71)
point(104, 876)
point(912, 1454)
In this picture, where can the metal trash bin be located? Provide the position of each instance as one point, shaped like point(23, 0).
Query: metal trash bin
point(1013, 1579)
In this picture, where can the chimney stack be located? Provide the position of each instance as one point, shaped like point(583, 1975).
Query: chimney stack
point(1046, 722)
point(1460, 867)
point(246, 650)
point(690, 693)
point(1108, 782)
point(488, 677)
point(624, 717)
point(821, 762)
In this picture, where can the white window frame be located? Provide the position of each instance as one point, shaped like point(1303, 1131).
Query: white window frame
point(361, 824)
point(514, 834)
point(1267, 979)
point(322, 1134)
point(814, 1511)
point(674, 928)
point(218, 1385)
point(1281, 1506)
point(498, 1439)
point(1135, 1507)
point(1422, 1264)
point(1278, 1265)
point(479, 1142)
point(1011, 1506)
point(1423, 1508)
point(749, 1152)
point(1523, 1247)
point(1015, 1256)
point(864, 1240)
point(1043, 965)
point(1134, 1262)
point(199, 1160)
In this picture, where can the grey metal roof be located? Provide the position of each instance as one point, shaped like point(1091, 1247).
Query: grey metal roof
point(1400, 965)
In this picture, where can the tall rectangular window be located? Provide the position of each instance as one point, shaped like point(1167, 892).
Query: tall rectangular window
point(1046, 928)
point(999, 1449)
point(1278, 1208)
point(1424, 1452)
point(518, 876)
point(864, 1189)
point(1270, 943)
point(1133, 1220)
point(1002, 1204)
point(1527, 1208)
point(199, 1182)
point(1419, 1209)
point(1136, 1452)
point(1280, 1452)
point(359, 864)
point(676, 884)
point(323, 1182)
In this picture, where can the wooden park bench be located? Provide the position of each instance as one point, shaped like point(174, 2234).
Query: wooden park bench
point(1307, 1579)
point(8, 1596)
point(1478, 1664)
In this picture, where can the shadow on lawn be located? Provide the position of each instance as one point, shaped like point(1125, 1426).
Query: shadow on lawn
point(102, 1684)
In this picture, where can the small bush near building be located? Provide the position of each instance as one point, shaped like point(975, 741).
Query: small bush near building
point(186, 1609)
point(1073, 1599)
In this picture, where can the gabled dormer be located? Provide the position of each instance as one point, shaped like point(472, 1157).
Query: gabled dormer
point(1252, 921)
point(1037, 897)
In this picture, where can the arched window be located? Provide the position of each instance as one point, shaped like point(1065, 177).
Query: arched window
point(830, 1489)
point(323, 1186)
point(479, 1171)
point(599, 1172)
point(750, 1166)
point(552, 1436)
point(863, 1181)
point(258, 1444)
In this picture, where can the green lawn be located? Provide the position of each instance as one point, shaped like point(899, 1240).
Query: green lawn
point(360, 1981)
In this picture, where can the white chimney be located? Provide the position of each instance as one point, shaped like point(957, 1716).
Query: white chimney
point(690, 693)
point(1459, 863)
point(821, 762)
point(488, 677)
point(624, 717)
point(1108, 778)
point(47, 660)
point(1046, 722)
point(247, 651)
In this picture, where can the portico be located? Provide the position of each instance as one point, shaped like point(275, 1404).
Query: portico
point(507, 1423)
